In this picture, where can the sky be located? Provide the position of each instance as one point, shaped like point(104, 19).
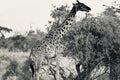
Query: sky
point(19, 15)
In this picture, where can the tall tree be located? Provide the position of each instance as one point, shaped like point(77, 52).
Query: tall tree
point(5, 30)
point(2, 38)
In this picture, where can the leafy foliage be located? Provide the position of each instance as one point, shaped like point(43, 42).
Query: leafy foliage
point(58, 14)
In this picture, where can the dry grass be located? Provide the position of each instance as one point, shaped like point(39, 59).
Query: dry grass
point(19, 56)
point(12, 64)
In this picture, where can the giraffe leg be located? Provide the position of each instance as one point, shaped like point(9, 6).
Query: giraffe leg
point(57, 68)
point(48, 59)
point(37, 68)
point(32, 69)
point(36, 76)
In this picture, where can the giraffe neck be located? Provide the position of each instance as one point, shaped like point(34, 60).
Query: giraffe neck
point(59, 32)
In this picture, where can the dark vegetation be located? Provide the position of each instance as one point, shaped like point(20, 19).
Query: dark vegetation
point(93, 42)
point(21, 42)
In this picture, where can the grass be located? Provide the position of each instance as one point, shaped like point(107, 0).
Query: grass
point(19, 56)
point(13, 65)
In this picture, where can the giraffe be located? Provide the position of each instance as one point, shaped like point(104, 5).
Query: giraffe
point(45, 49)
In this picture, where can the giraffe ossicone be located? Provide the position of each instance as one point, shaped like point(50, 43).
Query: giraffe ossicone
point(46, 47)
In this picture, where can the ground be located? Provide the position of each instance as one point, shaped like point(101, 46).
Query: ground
point(15, 66)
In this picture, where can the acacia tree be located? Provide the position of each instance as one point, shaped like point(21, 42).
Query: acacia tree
point(4, 29)
point(2, 38)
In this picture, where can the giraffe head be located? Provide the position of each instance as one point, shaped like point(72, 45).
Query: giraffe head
point(81, 7)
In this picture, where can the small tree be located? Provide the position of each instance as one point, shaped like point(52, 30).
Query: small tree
point(2, 38)
point(58, 14)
